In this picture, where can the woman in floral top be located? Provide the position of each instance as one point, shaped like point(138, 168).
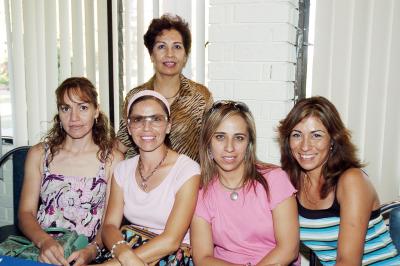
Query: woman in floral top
point(67, 174)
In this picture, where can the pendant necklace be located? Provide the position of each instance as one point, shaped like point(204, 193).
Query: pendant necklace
point(234, 194)
point(144, 179)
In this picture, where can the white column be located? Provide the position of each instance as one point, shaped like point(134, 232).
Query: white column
point(31, 74)
point(200, 41)
point(90, 41)
point(140, 45)
point(77, 39)
point(65, 39)
point(51, 75)
point(103, 54)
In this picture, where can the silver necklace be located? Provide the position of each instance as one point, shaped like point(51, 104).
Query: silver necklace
point(234, 194)
point(173, 96)
point(144, 179)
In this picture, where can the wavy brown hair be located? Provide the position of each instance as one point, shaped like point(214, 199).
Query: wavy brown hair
point(220, 111)
point(342, 155)
point(102, 133)
point(168, 22)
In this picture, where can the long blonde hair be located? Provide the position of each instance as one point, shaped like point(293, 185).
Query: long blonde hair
point(219, 111)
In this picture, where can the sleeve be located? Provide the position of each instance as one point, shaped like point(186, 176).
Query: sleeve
point(201, 209)
point(189, 168)
point(118, 176)
point(280, 187)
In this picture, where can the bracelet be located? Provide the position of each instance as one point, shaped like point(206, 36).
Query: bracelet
point(115, 246)
point(98, 249)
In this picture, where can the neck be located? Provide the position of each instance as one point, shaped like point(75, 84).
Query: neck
point(168, 86)
point(152, 158)
point(231, 179)
point(78, 145)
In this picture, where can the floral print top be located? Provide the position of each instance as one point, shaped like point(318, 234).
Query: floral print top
point(72, 202)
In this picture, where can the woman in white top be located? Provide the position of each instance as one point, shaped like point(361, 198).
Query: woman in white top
point(155, 190)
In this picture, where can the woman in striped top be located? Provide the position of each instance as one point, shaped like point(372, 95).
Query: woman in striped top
point(338, 206)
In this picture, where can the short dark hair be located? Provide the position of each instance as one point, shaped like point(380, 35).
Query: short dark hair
point(168, 22)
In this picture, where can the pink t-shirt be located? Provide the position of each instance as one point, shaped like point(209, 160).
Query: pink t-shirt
point(151, 210)
point(242, 230)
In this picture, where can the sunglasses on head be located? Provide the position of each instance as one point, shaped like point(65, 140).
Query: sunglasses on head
point(241, 106)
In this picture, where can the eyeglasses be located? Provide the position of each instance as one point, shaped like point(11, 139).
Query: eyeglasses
point(241, 106)
point(138, 121)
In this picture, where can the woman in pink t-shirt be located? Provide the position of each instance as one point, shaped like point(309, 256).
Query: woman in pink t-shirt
point(155, 190)
point(246, 211)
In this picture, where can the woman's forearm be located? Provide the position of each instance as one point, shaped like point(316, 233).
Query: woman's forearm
point(30, 227)
point(279, 256)
point(157, 248)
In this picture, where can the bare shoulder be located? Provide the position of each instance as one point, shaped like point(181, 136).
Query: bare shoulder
point(353, 177)
point(36, 151)
point(354, 183)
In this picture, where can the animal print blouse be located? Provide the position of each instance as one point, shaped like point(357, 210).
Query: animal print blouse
point(186, 114)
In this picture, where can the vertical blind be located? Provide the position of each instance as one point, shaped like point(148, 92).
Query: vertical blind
point(356, 65)
point(51, 40)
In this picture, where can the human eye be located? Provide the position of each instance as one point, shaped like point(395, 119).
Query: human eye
point(64, 108)
point(240, 138)
point(136, 119)
point(178, 46)
point(157, 118)
point(317, 135)
point(83, 107)
point(295, 135)
point(219, 137)
point(160, 46)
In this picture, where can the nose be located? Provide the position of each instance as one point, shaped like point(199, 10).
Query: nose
point(146, 124)
point(74, 114)
point(170, 51)
point(229, 145)
point(305, 144)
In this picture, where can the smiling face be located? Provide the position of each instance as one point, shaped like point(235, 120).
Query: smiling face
point(77, 116)
point(310, 145)
point(229, 144)
point(150, 134)
point(168, 54)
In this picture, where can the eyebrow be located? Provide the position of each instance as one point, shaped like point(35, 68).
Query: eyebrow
point(314, 131)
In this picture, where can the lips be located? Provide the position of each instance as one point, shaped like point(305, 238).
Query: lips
point(228, 159)
point(147, 138)
point(169, 64)
point(307, 156)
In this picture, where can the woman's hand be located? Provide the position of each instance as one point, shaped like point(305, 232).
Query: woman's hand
point(129, 258)
point(83, 256)
point(52, 252)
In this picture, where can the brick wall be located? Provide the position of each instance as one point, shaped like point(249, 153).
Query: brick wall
point(251, 58)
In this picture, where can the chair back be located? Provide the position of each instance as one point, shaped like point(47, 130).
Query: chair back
point(392, 210)
point(18, 156)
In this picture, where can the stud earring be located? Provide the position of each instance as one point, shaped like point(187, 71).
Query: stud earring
point(95, 120)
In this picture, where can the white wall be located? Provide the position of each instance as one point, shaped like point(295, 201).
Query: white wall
point(251, 56)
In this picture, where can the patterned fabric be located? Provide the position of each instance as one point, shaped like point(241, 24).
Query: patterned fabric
point(72, 202)
point(186, 114)
point(319, 230)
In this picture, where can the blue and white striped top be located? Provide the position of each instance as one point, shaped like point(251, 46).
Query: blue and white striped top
point(319, 231)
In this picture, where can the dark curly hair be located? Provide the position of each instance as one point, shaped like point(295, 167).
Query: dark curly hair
point(168, 22)
point(341, 157)
point(102, 133)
